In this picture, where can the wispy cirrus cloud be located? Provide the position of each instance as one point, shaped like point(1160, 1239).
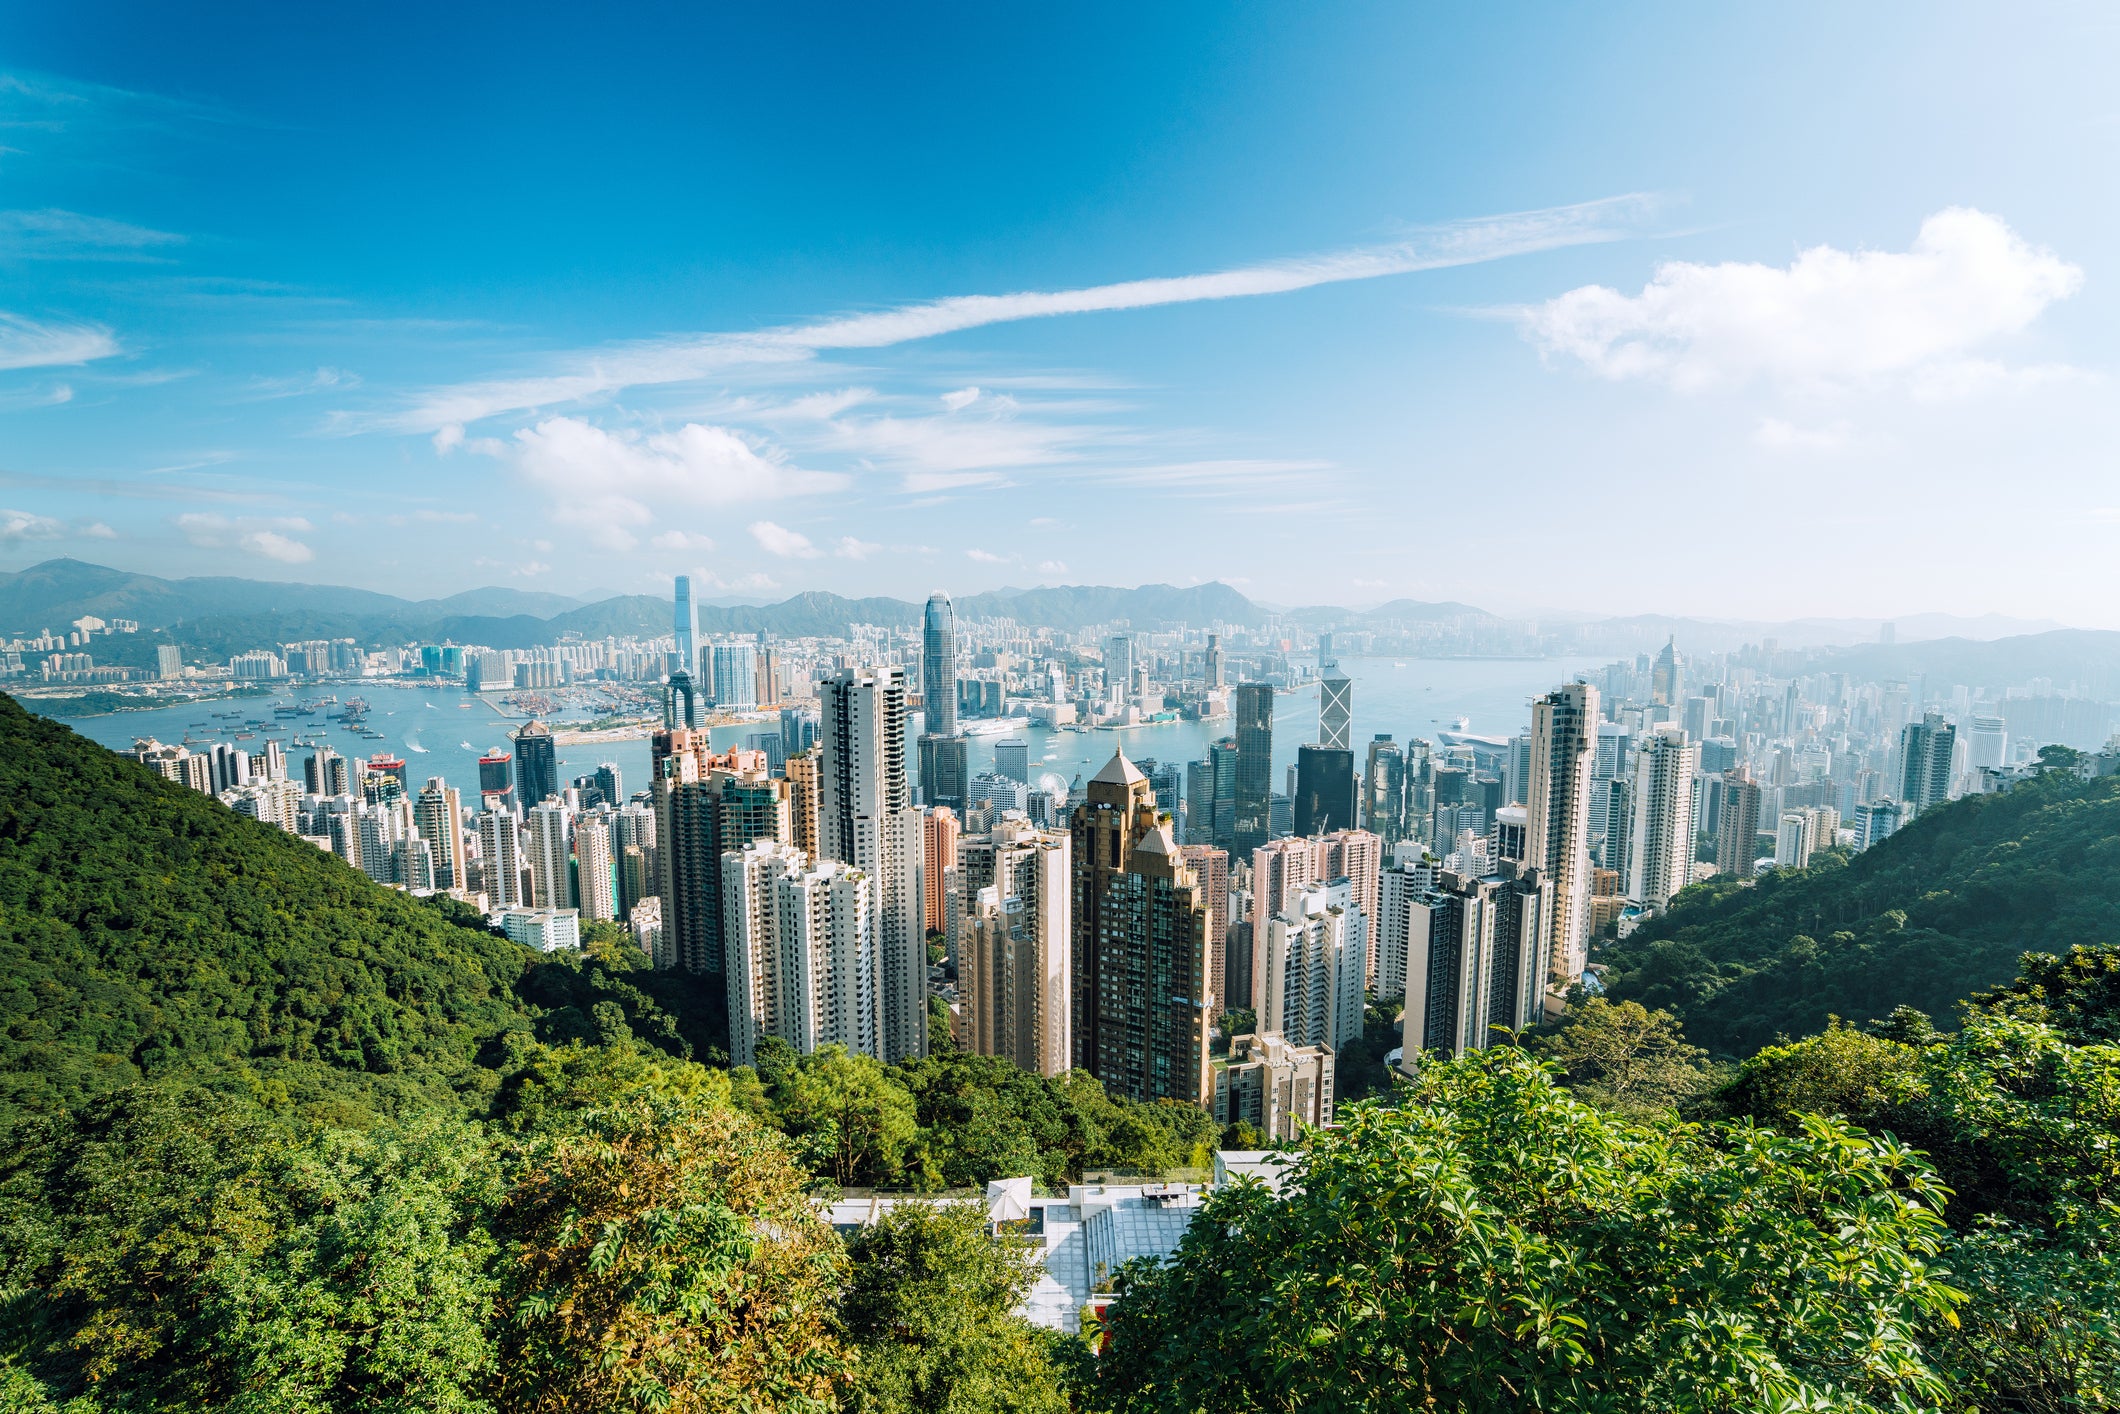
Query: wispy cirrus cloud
point(30, 343)
point(52, 234)
point(598, 373)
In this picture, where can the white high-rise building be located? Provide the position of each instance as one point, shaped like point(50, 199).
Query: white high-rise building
point(439, 815)
point(1792, 840)
point(500, 840)
point(735, 676)
point(1013, 964)
point(1662, 839)
point(548, 846)
point(596, 867)
point(1315, 954)
point(866, 819)
point(1400, 889)
point(1564, 741)
point(800, 951)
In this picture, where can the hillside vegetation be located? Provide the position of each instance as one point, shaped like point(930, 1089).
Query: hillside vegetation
point(1940, 910)
point(278, 1139)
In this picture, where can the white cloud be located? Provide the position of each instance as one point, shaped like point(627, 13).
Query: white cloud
point(97, 530)
point(1052, 567)
point(68, 235)
point(26, 343)
point(598, 373)
point(1831, 317)
point(850, 548)
point(27, 525)
point(681, 540)
point(610, 484)
point(1778, 435)
point(779, 540)
point(961, 399)
point(530, 569)
point(985, 557)
point(263, 536)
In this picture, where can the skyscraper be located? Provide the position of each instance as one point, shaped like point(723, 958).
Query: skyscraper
point(1384, 791)
point(1664, 679)
point(1925, 763)
point(439, 815)
point(1252, 825)
point(938, 856)
point(1662, 854)
point(495, 790)
point(548, 842)
point(1211, 865)
point(1142, 1002)
point(1737, 839)
point(735, 676)
point(1325, 790)
point(1310, 989)
point(1013, 961)
point(536, 768)
point(938, 665)
point(1557, 840)
point(801, 954)
point(500, 843)
point(686, 627)
point(866, 818)
point(706, 805)
point(944, 772)
point(1335, 709)
point(1212, 663)
point(1475, 960)
point(1012, 758)
point(596, 866)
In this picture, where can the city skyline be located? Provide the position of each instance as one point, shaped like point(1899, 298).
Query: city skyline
point(1280, 283)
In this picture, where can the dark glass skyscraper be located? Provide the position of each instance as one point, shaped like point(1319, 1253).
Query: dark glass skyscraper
point(1325, 794)
point(1253, 825)
point(536, 765)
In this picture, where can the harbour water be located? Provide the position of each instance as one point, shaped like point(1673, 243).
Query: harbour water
point(442, 731)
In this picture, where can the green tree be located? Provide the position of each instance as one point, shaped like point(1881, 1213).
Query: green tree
point(848, 1118)
point(665, 1256)
point(1493, 1243)
point(1856, 1076)
point(1627, 1058)
point(376, 1290)
point(931, 1311)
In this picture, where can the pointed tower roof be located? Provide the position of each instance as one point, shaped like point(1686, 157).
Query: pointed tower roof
point(1118, 772)
point(1160, 839)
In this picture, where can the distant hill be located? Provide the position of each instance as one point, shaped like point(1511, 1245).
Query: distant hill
point(1938, 911)
point(2070, 655)
point(214, 616)
point(1080, 606)
point(56, 592)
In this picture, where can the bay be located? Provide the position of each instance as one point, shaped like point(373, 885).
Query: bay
point(441, 731)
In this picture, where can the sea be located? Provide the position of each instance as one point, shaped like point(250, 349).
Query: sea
point(442, 731)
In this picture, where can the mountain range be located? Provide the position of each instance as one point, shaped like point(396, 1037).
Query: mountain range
point(216, 615)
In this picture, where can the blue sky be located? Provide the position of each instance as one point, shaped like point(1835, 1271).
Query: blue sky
point(1802, 310)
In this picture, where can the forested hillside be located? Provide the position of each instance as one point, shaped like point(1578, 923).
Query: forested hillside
point(1940, 910)
point(146, 930)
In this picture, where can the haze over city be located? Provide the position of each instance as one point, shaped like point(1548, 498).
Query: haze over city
point(1767, 315)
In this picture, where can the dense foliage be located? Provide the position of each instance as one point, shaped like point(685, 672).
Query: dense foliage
point(277, 1139)
point(147, 932)
point(1938, 911)
point(1492, 1243)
